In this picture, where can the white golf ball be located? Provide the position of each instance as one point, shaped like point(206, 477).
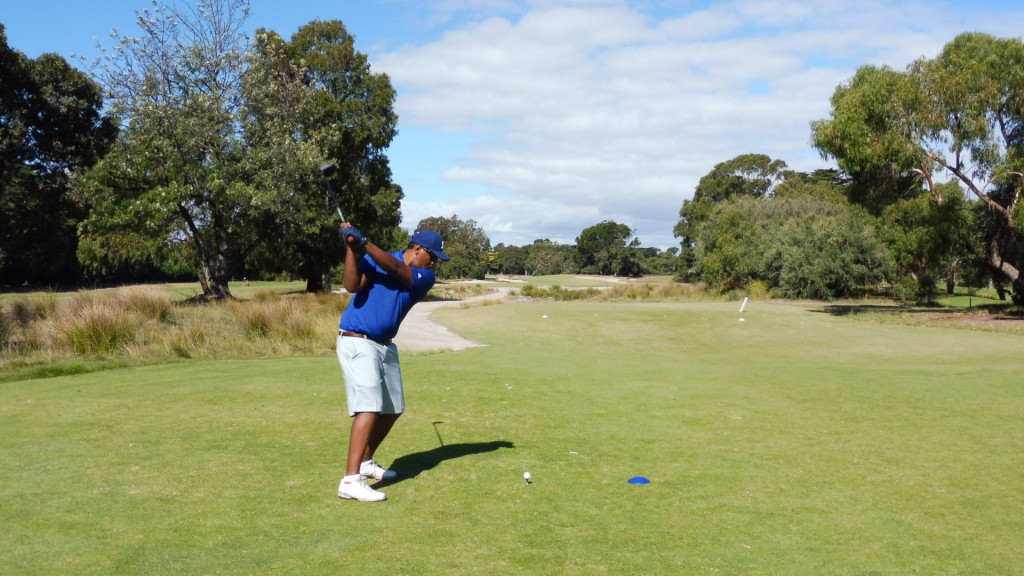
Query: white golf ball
point(526, 475)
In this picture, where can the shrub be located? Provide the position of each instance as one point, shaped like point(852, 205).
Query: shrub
point(556, 292)
point(758, 290)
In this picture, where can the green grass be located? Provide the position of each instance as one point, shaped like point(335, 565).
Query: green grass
point(973, 301)
point(796, 442)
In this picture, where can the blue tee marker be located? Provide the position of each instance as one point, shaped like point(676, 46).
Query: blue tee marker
point(639, 480)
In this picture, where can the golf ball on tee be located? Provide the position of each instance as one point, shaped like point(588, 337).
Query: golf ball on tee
point(526, 475)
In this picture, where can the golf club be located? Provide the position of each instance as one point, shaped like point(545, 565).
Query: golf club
point(327, 170)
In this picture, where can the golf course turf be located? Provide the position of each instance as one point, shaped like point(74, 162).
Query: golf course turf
point(796, 442)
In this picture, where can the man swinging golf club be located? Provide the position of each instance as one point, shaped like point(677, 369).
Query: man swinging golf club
point(385, 286)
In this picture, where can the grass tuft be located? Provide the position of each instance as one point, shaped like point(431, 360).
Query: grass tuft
point(95, 328)
point(151, 303)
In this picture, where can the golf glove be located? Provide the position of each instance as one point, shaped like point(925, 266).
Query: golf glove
point(353, 237)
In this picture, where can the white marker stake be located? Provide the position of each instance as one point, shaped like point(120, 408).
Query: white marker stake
point(744, 305)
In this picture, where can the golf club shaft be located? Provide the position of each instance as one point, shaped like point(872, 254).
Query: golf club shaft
point(337, 205)
point(326, 170)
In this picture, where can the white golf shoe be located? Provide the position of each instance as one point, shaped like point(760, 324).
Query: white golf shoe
point(371, 469)
point(355, 488)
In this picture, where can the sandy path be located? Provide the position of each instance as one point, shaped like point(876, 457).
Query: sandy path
point(419, 333)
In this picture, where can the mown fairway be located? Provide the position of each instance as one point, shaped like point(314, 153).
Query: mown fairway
point(796, 442)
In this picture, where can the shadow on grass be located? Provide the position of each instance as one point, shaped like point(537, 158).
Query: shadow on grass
point(1004, 309)
point(851, 309)
point(411, 465)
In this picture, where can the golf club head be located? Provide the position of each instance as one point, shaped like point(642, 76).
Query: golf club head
point(328, 169)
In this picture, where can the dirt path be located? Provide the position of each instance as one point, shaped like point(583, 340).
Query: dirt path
point(419, 333)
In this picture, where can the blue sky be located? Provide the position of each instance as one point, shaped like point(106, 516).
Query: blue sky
point(539, 118)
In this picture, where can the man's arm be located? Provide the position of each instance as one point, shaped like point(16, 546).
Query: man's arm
point(397, 268)
point(353, 278)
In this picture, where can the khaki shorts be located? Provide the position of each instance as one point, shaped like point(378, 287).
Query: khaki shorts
point(373, 376)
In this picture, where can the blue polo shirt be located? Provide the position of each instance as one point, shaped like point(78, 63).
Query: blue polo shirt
point(379, 308)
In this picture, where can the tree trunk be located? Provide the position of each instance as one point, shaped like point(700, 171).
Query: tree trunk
point(1011, 272)
point(217, 278)
point(218, 265)
point(320, 283)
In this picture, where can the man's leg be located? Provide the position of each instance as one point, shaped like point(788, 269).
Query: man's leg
point(363, 425)
point(380, 431)
point(352, 486)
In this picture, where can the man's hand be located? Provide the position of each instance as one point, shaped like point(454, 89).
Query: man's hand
point(353, 237)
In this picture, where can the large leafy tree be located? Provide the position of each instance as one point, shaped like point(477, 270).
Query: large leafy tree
point(745, 176)
point(465, 243)
point(51, 125)
point(179, 172)
point(962, 114)
point(607, 248)
point(508, 259)
point(797, 245)
point(546, 257)
point(222, 141)
point(929, 240)
point(347, 113)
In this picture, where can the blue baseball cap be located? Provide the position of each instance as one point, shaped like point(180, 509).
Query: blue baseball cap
point(432, 241)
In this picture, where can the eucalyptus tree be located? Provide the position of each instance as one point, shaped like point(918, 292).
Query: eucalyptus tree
point(960, 114)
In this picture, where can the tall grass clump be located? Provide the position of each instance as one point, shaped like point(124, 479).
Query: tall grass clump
point(95, 327)
point(5, 329)
point(19, 324)
point(149, 302)
point(626, 291)
point(20, 312)
point(256, 318)
point(459, 291)
point(148, 323)
point(187, 341)
point(44, 305)
point(556, 292)
point(300, 324)
point(270, 315)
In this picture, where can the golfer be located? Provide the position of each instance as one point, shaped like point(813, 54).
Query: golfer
point(385, 285)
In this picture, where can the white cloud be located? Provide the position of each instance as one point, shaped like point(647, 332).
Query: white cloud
point(586, 111)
